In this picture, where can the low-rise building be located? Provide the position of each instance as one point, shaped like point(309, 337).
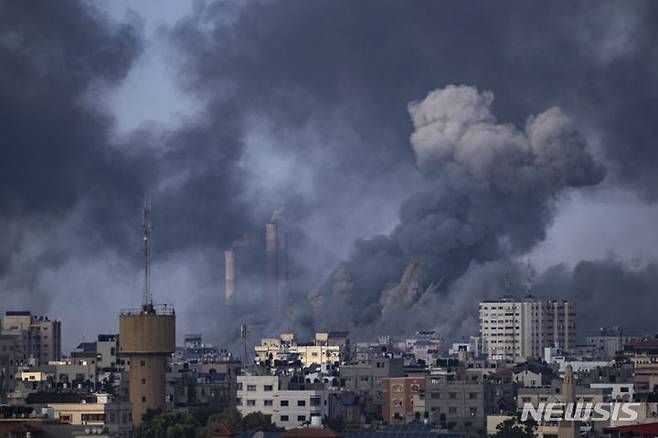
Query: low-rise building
point(288, 408)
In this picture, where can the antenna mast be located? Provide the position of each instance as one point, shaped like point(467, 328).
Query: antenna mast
point(244, 333)
point(147, 301)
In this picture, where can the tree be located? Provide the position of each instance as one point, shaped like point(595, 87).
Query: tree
point(229, 417)
point(257, 422)
point(515, 428)
point(167, 425)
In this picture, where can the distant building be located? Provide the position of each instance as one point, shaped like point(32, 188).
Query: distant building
point(39, 338)
point(518, 330)
point(288, 408)
point(9, 359)
point(609, 343)
point(327, 348)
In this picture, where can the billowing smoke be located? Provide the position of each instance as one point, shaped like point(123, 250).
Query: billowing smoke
point(304, 105)
point(489, 195)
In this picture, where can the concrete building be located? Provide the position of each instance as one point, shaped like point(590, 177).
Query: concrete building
point(457, 404)
point(399, 398)
point(107, 351)
point(288, 408)
point(609, 343)
point(367, 380)
point(147, 338)
point(9, 359)
point(327, 348)
point(39, 338)
point(517, 330)
point(114, 416)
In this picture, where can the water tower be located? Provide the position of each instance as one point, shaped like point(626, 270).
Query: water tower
point(147, 337)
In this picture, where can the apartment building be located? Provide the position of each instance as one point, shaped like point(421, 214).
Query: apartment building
point(39, 338)
point(399, 398)
point(288, 408)
point(457, 404)
point(366, 378)
point(520, 329)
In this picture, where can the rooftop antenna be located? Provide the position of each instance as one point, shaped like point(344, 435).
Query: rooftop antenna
point(147, 301)
point(243, 337)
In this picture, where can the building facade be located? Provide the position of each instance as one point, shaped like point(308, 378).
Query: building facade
point(287, 408)
point(517, 330)
point(39, 338)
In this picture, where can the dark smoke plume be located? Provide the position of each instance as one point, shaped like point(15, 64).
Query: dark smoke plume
point(490, 196)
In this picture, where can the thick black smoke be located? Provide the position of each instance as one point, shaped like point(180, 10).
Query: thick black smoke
point(306, 107)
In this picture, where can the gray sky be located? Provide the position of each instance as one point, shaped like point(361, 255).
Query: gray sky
point(224, 111)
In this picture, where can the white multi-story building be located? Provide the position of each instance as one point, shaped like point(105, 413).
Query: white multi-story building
point(287, 408)
point(518, 329)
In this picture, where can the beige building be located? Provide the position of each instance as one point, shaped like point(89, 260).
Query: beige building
point(516, 330)
point(39, 337)
point(113, 416)
point(327, 348)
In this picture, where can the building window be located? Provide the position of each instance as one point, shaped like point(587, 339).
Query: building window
point(142, 363)
point(238, 402)
point(251, 387)
point(474, 411)
point(397, 402)
point(283, 418)
point(93, 418)
point(251, 402)
point(472, 395)
point(397, 388)
point(315, 401)
point(301, 402)
point(415, 387)
point(143, 381)
point(452, 395)
point(283, 402)
point(143, 399)
point(301, 417)
point(452, 410)
point(267, 388)
point(268, 403)
point(239, 387)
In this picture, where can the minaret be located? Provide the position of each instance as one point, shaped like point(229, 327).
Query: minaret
point(147, 337)
point(568, 429)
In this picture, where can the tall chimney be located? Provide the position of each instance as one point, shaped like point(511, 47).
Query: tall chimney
point(230, 280)
point(276, 264)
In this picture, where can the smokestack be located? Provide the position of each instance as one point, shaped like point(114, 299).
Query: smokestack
point(276, 264)
point(230, 280)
